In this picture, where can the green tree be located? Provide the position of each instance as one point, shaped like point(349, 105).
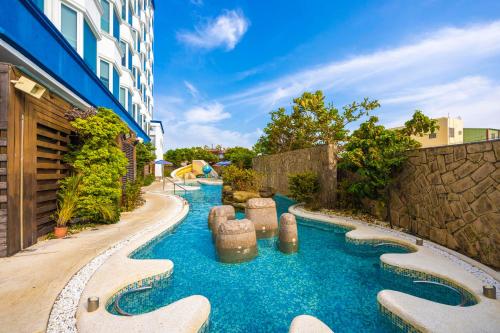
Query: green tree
point(310, 123)
point(180, 155)
point(304, 187)
point(374, 155)
point(240, 156)
point(144, 154)
point(101, 164)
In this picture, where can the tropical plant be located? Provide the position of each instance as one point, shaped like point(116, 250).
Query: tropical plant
point(101, 164)
point(241, 179)
point(304, 187)
point(133, 195)
point(148, 179)
point(144, 154)
point(310, 123)
point(67, 201)
point(240, 156)
point(374, 155)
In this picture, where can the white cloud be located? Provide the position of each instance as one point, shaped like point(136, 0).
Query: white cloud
point(209, 113)
point(226, 31)
point(202, 134)
point(433, 59)
point(192, 89)
point(473, 98)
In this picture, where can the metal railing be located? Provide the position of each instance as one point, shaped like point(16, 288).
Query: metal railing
point(175, 184)
point(117, 300)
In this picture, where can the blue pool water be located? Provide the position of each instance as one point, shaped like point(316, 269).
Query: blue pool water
point(326, 278)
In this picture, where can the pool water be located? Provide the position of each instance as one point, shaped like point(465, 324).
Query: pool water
point(326, 278)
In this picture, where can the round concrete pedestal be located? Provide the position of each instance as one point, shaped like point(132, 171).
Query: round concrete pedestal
point(262, 212)
point(288, 239)
point(224, 210)
point(236, 241)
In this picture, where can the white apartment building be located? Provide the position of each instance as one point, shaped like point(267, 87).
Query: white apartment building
point(115, 38)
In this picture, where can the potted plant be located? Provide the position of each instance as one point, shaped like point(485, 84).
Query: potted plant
point(66, 204)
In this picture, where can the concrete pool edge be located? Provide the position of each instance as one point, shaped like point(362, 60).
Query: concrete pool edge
point(111, 271)
point(428, 259)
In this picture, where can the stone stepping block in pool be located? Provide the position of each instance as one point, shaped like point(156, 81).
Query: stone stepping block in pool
point(236, 241)
point(217, 221)
point(224, 210)
point(262, 212)
point(288, 239)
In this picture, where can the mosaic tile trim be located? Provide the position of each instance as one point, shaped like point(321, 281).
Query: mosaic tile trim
point(418, 275)
point(137, 284)
point(480, 274)
point(397, 321)
point(62, 317)
point(373, 242)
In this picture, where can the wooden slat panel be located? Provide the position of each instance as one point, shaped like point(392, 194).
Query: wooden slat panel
point(43, 219)
point(48, 155)
point(3, 171)
point(54, 123)
point(51, 145)
point(46, 197)
point(48, 122)
point(3, 142)
point(45, 187)
point(51, 135)
point(3, 157)
point(51, 166)
point(46, 208)
point(45, 229)
point(44, 176)
point(3, 185)
point(3, 198)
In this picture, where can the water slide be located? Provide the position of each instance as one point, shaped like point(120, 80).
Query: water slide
point(192, 170)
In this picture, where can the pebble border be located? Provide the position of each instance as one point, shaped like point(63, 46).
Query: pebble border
point(485, 278)
point(62, 317)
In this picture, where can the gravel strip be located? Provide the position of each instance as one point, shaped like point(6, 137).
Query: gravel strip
point(62, 317)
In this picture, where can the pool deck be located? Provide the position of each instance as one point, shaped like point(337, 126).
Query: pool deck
point(430, 259)
point(32, 279)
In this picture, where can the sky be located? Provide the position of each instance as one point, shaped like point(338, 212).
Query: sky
point(221, 66)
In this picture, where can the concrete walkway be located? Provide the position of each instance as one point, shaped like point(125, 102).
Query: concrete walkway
point(31, 280)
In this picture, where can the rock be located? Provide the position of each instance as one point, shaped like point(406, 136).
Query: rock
point(288, 240)
point(478, 147)
point(236, 241)
point(225, 210)
point(262, 212)
point(267, 192)
point(244, 196)
point(459, 153)
point(483, 171)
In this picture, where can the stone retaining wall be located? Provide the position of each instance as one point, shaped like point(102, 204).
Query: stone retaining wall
point(321, 160)
point(451, 195)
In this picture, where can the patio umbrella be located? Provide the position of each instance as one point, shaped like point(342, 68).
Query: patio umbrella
point(163, 163)
point(223, 163)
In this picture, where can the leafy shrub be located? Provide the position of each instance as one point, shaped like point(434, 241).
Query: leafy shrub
point(242, 179)
point(144, 154)
point(133, 196)
point(177, 156)
point(304, 187)
point(101, 164)
point(240, 156)
point(148, 180)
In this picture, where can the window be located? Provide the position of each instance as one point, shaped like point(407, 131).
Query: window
point(432, 135)
point(123, 48)
point(493, 136)
point(135, 111)
point(89, 46)
point(459, 132)
point(68, 24)
point(130, 15)
point(123, 96)
point(129, 104)
point(116, 26)
point(451, 132)
point(39, 4)
point(124, 10)
point(116, 83)
point(105, 15)
point(104, 73)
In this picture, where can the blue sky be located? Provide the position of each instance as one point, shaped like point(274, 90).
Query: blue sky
point(222, 66)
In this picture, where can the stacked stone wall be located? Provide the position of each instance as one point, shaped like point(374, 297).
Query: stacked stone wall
point(451, 195)
point(321, 159)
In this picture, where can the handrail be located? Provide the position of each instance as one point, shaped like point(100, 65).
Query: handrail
point(463, 300)
point(117, 300)
point(385, 243)
point(175, 184)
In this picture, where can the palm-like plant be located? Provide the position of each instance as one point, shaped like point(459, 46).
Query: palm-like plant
point(68, 199)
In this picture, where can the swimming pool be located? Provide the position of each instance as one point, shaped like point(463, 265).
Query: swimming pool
point(328, 278)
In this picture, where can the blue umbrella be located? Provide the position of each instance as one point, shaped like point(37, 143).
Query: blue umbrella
point(164, 162)
point(223, 163)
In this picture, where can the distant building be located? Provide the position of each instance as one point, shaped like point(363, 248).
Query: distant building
point(450, 132)
point(156, 135)
point(480, 134)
